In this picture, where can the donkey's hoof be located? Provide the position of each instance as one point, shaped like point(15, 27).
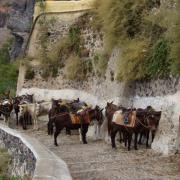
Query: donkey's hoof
point(85, 142)
point(114, 147)
point(55, 144)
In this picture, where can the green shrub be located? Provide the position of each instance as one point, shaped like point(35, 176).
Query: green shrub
point(174, 37)
point(75, 39)
point(126, 23)
point(158, 64)
point(8, 77)
point(4, 52)
point(8, 71)
point(100, 64)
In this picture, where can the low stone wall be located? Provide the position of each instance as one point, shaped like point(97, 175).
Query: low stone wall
point(23, 160)
point(31, 158)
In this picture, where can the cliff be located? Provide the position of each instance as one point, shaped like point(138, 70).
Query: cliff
point(15, 23)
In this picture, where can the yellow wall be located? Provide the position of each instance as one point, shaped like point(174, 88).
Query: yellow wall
point(64, 6)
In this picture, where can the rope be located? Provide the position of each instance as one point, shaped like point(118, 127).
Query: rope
point(147, 127)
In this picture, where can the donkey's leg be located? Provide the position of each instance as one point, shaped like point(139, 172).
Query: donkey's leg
point(35, 122)
point(80, 135)
point(17, 122)
point(56, 135)
point(113, 136)
point(147, 138)
point(129, 141)
point(30, 119)
point(68, 131)
point(153, 135)
point(84, 130)
point(120, 137)
point(4, 119)
point(125, 138)
point(140, 138)
point(135, 141)
point(24, 122)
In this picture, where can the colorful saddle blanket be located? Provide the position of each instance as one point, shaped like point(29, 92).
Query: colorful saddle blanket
point(75, 119)
point(128, 120)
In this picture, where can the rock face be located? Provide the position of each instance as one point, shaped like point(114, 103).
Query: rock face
point(16, 16)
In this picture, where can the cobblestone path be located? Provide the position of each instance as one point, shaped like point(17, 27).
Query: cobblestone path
point(97, 161)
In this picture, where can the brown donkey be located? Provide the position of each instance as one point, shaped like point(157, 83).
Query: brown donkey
point(61, 118)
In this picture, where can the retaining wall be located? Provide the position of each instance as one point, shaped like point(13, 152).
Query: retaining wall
point(31, 158)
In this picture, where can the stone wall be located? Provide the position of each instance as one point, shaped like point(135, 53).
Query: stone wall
point(23, 160)
point(31, 158)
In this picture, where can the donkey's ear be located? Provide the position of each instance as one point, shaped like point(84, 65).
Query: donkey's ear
point(102, 109)
point(111, 102)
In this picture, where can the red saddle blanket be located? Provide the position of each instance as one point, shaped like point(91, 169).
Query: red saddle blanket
point(75, 119)
point(78, 119)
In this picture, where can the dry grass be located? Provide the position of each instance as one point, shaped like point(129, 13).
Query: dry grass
point(4, 161)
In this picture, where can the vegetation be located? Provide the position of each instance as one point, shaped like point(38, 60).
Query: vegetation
point(49, 64)
point(8, 71)
point(100, 63)
point(70, 44)
point(173, 35)
point(77, 69)
point(149, 46)
point(4, 161)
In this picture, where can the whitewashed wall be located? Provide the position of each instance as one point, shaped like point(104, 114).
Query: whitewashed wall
point(167, 139)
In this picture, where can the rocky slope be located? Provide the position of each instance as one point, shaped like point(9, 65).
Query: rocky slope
point(15, 22)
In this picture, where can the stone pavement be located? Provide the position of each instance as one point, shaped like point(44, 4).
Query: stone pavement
point(97, 161)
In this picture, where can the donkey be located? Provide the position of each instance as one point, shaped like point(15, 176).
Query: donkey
point(34, 110)
point(110, 109)
point(6, 108)
point(139, 124)
point(62, 118)
point(153, 118)
point(24, 99)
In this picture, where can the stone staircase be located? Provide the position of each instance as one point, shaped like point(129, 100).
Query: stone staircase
point(97, 161)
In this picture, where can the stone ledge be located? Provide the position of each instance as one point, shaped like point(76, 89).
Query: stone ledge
point(48, 165)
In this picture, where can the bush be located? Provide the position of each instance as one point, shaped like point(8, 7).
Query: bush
point(132, 65)
point(100, 64)
point(174, 37)
point(126, 23)
point(158, 64)
point(121, 19)
point(8, 71)
point(77, 69)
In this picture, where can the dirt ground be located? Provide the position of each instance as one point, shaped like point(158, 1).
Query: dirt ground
point(98, 161)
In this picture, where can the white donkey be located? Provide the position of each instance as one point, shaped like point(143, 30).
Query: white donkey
point(35, 110)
